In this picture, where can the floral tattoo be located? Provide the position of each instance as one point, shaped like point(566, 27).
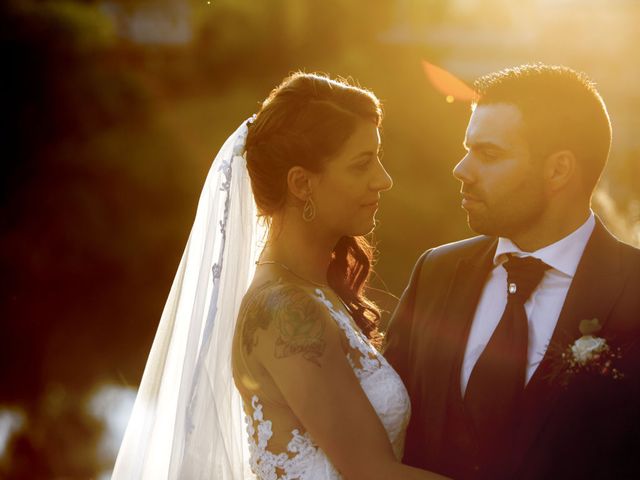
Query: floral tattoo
point(297, 318)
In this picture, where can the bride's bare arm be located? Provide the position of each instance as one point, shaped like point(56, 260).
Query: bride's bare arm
point(300, 345)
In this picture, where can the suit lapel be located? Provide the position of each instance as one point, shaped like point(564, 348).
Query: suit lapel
point(461, 305)
point(447, 347)
point(596, 285)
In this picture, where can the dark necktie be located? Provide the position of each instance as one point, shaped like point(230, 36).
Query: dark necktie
point(498, 378)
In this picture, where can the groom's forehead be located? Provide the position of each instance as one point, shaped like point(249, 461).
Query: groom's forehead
point(491, 122)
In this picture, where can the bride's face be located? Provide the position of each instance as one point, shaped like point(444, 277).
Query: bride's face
point(348, 190)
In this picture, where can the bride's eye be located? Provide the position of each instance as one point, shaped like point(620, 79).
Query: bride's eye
point(363, 164)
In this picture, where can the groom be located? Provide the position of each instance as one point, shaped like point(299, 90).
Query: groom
point(482, 336)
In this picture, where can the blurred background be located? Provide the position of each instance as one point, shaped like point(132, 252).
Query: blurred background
point(113, 109)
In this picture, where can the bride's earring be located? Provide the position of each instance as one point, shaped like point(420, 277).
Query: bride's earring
point(309, 210)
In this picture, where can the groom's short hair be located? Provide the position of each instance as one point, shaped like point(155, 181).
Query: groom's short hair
point(561, 110)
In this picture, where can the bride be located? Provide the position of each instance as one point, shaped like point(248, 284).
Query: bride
point(267, 323)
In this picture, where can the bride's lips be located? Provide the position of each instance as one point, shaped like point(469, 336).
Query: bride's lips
point(371, 206)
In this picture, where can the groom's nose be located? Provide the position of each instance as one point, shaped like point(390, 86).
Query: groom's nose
point(462, 170)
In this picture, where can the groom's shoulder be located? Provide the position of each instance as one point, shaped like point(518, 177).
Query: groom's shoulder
point(630, 258)
point(441, 261)
point(454, 251)
point(630, 252)
point(629, 255)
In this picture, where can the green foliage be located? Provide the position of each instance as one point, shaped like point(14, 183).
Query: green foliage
point(63, 80)
point(77, 28)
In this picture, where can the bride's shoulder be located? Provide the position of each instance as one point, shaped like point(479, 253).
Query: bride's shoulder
point(287, 317)
point(272, 296)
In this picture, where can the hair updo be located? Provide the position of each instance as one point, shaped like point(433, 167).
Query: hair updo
point(304, 122)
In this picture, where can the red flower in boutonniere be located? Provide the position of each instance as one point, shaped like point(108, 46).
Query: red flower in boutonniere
point(589, 354)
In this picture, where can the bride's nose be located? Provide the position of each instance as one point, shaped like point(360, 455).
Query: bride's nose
point(382, 180)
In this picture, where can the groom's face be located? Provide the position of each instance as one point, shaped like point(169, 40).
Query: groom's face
point(502, 187)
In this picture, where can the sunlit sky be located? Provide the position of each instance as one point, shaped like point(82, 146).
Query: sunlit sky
point(600, 37)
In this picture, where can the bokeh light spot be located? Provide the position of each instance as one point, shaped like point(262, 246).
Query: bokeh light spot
point(11, 421)
point(112, 405)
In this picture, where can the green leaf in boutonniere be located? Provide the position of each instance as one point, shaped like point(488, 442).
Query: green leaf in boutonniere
point(589, 327)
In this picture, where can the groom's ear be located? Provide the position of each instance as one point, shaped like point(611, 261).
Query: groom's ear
point(299, 183)
point(560, 169)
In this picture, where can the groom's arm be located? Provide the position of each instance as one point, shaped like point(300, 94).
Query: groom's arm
point(397, 340)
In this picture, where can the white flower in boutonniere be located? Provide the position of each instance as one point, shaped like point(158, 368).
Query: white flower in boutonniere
point(589, 354)
point(587, 347)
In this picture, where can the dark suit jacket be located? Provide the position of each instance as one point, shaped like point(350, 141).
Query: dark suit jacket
point(589, 428)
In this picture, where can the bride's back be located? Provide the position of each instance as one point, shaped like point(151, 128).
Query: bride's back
point(290, 309)
point(250, 375)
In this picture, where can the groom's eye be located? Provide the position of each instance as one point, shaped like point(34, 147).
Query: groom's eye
point(491, 154)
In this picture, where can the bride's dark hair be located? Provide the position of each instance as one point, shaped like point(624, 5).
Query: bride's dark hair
point(304, 121)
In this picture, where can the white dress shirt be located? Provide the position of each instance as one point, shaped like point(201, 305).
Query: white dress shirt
point(544, 305)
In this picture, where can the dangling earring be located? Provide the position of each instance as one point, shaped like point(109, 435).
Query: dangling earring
point(309, 211)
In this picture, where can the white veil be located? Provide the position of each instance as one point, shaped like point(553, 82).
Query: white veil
point(187, 421)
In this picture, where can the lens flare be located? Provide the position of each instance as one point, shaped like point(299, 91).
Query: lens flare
point(448, 84)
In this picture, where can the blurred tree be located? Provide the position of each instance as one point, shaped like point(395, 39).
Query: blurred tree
point(60, 441)
point(59, 87)
point(57, 82)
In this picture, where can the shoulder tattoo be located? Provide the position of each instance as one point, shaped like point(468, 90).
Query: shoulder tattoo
point(297, 319)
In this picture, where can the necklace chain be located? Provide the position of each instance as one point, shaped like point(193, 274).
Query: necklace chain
point(280, 264)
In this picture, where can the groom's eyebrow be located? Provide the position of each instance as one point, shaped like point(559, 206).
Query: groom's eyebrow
point(482, 146)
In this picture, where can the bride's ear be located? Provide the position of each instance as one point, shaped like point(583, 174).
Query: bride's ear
point(299, 183)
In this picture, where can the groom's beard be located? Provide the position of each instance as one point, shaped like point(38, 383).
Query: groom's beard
point(508, 216)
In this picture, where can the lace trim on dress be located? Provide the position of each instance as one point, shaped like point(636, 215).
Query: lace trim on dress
point(369, 360)
point(264, 463)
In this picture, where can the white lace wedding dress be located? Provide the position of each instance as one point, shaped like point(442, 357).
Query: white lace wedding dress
point(304, 460)
point(187, 420)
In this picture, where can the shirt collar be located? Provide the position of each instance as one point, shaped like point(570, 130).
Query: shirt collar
point(563, 255)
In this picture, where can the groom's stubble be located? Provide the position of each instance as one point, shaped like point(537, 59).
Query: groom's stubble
point(502, 179)
point(518, 210)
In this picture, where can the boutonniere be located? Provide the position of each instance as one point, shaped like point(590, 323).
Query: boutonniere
point(589, 354)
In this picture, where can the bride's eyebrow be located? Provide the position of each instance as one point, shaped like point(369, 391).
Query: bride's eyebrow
point(366, 153)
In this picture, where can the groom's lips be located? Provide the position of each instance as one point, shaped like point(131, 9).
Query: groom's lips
point(469, 200)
